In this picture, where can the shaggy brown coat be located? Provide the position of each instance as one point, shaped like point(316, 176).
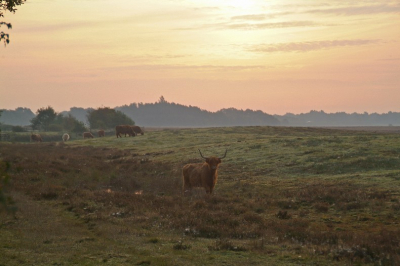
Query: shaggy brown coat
point(36, 138)
point(201, 175)
point(124, 129)
point(101, 133)
point(137, 130)
point(87, 135)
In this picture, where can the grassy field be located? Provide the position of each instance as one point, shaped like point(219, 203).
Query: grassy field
point(285, 196)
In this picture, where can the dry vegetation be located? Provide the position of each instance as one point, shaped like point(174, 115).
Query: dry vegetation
point(289, 196)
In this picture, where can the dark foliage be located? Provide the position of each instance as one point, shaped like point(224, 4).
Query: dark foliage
point(10, 6)
point(107, 118)
point(18, 129)
point(166, 114)
point(45, 116)
point(48, 120)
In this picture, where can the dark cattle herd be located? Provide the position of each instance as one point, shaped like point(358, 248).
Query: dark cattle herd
point(120, 130)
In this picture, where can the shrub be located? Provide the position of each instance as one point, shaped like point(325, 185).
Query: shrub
point(18, 129)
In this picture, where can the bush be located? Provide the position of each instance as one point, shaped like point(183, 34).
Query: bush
point(18, 129)
point(107, 118)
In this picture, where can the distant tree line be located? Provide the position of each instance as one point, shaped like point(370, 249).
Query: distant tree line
point(320, 118)
point(167, 114)
point(18, 117)
point(47, 119)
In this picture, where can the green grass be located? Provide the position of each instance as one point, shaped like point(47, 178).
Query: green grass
point(285, 196)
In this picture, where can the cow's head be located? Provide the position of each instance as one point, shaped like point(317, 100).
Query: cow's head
point(213, 162)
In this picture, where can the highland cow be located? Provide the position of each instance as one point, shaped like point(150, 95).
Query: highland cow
point(101, 133)
point(65, 137)
point(124, 129)
point(137, 130)
point(202, 175)
point(36, 138)
point(88, 135)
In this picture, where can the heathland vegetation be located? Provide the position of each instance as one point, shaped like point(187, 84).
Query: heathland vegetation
point(285, 196)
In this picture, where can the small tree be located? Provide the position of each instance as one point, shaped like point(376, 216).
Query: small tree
point(107, 118)
point(44, 117)
point(79, 127)
point(70, 122)
point(162, 100)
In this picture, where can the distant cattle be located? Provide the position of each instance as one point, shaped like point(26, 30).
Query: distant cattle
point(87, 135)
point(101, 133)
point(65, 137)
point(124, 129)
point(36, 138)
point(137, 130)
point(201, 175)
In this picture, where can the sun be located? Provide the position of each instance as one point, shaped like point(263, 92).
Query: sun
point(237, 4)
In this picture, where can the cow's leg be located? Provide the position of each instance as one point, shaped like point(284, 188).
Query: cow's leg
point(208, 190)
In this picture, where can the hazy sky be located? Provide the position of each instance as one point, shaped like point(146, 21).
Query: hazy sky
point(277, 56)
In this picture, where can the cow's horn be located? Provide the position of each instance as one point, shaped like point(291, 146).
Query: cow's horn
point(202, 155)
point(224, 154)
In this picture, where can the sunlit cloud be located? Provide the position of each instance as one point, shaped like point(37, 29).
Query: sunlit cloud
point(348, 9)
point(358, 10)
point(253, 17)
point(308, 46)
point(272, 25)
point(255, 26)
point(188, 67)
point(56, 27)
